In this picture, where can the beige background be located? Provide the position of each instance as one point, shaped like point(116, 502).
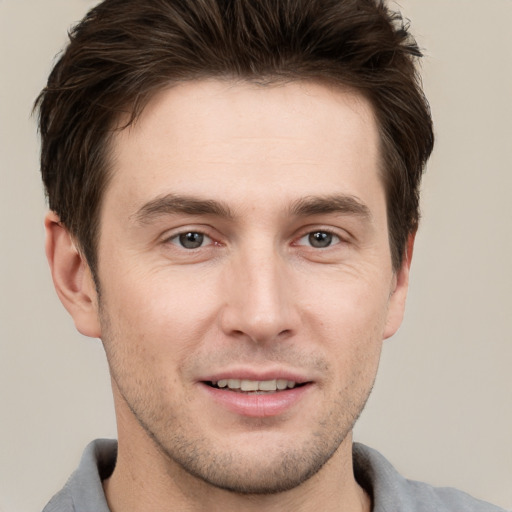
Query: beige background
point(442, 407)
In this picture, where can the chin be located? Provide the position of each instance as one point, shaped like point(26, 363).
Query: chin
point(264, 468)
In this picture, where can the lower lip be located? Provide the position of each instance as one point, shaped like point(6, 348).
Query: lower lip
point(257, 405)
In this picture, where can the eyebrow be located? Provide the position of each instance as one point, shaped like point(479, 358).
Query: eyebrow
point(341, 204)
point(178, 204)
point(170, 204)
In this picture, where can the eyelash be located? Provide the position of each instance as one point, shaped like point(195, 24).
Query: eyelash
point(179, 239)
point(330, 236)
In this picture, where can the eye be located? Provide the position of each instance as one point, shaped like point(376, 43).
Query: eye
point(191, 240)
point(319, 239)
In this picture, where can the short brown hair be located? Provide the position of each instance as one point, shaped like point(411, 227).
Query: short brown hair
point(124, 51)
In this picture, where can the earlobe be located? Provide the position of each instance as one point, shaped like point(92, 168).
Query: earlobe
point(396, 307)
point(72, 277)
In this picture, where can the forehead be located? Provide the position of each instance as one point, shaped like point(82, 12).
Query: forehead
point(215, 137)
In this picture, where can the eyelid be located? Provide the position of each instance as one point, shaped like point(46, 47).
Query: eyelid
point(342, 235)
point(207, 240)
point(210, 233)
point(334, 241)
point(173, 234)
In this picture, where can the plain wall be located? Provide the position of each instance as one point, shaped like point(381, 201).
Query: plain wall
point(441, 410)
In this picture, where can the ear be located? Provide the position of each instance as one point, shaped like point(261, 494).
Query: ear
point(72, 277)
point(396, 306)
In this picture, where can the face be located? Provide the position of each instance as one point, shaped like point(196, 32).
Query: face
point(246, 278)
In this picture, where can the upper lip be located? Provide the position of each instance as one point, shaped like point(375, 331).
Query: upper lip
point(259, 375)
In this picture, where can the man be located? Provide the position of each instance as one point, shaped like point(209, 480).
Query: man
point(234, 198)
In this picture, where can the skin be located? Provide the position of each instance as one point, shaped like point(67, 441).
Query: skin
point(277, 163)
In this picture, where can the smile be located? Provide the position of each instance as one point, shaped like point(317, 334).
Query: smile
point(257, 398)
point(254, 386)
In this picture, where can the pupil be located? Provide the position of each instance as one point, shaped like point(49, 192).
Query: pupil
point(191, 240)
point(320, 239)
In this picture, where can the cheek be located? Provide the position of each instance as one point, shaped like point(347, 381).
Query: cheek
point(349, 304)
point(158, 312)
point(351, 317)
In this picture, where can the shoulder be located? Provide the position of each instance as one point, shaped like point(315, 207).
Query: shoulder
point(392, 492)
point(61, 502)
point(83, 491)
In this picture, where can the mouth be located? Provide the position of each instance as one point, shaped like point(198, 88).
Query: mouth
point(255, 387)
point(258, 398)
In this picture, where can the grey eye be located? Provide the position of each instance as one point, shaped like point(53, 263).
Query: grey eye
point(191, 240)
point(320, 239)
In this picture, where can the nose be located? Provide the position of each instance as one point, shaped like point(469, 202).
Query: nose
point(259, 299)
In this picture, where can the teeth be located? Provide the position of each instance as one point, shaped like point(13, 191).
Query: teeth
point(281, 383)
point(234, 383)
point(267, 385)
point(249, 385)
point(256, 385)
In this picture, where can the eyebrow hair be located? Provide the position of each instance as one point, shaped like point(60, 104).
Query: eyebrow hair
point(172, 204)
point(313, 205)
point(343, 204)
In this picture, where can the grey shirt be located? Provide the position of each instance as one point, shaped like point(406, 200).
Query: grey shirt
point(390, 492)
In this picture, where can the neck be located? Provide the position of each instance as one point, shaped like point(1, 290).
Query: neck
point(145, 479)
